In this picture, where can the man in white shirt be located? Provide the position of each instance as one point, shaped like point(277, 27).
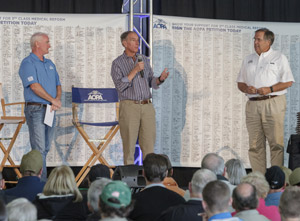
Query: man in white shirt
point(264, 77)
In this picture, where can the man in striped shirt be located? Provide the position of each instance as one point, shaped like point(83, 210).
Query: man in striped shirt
point(133, 78)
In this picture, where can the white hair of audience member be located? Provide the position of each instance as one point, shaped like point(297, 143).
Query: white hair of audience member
point(213, 162)
point(21, 210)
point(95, 191)
point(200, 179)
point(235, 171)
point(258, 180)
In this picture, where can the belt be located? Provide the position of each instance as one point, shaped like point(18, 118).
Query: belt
point(262, 98)
point(36, 104)
point(147, 101)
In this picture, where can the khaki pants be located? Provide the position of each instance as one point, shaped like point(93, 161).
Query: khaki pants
point(136, 120)
point(265, 120)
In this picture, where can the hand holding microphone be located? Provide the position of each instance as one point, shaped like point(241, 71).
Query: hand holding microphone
point(140, 60)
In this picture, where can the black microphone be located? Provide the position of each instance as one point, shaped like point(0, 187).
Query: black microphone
point(140, 59)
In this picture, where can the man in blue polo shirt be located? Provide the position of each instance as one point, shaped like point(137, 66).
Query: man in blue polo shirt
point(41, 87)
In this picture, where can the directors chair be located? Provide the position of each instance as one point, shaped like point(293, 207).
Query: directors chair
point(81, 97)
point(10, 120)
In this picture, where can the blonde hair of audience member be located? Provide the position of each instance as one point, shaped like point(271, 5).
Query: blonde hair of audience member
point(61, 181)
point(94, 193)
point(21, 210)
point(235, 171)
point(289, 206)
point(258, 180)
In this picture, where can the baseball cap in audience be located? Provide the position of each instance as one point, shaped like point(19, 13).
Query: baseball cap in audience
point(99, 171)
point(295, 177)
point(116, 194)
point(275, 177)
point(32, 161)
point(287, 172)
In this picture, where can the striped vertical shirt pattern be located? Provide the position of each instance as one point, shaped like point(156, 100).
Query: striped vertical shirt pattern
point(139, 87)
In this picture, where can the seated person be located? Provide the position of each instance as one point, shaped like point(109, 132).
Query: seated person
point(93, 195)
point(115, 201)
point(155, 198)
point(235, 171)
point(169, 182)
point(216, 201)
point(30, 184)
point(289, 206)
point(61, 199)
point(21, 210)
point(276, 179)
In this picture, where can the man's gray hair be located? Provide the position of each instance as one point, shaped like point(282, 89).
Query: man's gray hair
point(21, 210)
point(214, 163)
point(95, 191)
point(36, 37)
point(200, 179)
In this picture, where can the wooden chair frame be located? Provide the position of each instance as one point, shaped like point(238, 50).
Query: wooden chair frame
point(5, 120)
point(97, 150)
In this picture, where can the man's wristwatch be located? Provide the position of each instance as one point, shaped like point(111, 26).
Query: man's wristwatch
point(271, 88)
point(160, 80)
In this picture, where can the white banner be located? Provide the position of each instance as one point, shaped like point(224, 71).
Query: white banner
point(199, 108)
point(83, 47)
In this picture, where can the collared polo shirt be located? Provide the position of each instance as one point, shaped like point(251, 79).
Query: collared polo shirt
point(139, 87)
point(33, 70)
point(266, 70)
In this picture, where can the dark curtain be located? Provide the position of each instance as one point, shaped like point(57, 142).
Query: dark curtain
point(245, 10)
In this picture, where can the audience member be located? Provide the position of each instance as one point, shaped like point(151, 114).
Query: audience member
point(191, 209)
point(3, 214)
point(258, 180)
point(287, 173)
point(30, 184)
point(21, 210)
point(61, 198)
point(215, 163)
point(289, 205)
point(115, 201)
point(235, 171)
point(216, 201)
point(98, 171)
point(245, 202)
point(3, 197)
point(155, 198)
point(276, 179)
point(169, 182)
point(93, 195)
point(295, 177)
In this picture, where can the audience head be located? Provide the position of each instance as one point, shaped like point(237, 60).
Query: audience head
point(61, 181)
point(213, 162)
point(98, 171)
point(170, 168)
point(289, 206)
point(94, 192)
point(115, 200)
point(216, 197)
point(3, 214)
point(32, 163)
point(287, 173)
point(235, 171)
point(200, 179)
point(155, 168)
point(258, 180)
point(275, 177)
point(21, 210)
point(244, 197)
point(295, 177)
